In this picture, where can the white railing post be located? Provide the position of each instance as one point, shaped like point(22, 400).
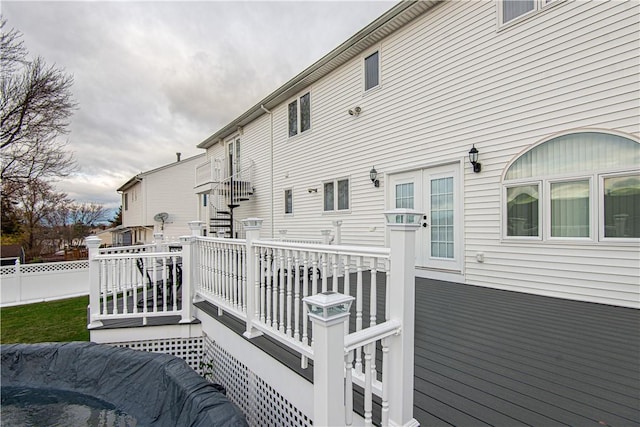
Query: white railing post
point(402, 225)
point(158, 238)
point(188, 276)
point(337, 230)
point(18, 271)
point(328, 312)
point(93, 245)
point(252, 280)
point(196, 227)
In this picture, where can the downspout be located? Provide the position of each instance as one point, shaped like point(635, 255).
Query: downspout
point(271, 153)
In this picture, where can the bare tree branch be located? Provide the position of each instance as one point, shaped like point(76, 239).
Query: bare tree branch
point(36, 106)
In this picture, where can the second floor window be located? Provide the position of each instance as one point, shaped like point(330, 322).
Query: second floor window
point(512, 9)
point(300, 114)
point(126, 201)
point(371, 71)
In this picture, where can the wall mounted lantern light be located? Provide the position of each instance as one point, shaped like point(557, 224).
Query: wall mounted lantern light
point(473, 159)
point(373, 175)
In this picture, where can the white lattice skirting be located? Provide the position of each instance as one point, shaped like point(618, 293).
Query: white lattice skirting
point(261, 403)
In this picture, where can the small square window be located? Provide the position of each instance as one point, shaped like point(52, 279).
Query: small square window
point(371, 71)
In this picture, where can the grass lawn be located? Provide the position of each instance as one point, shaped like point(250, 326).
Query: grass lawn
point(54, 321)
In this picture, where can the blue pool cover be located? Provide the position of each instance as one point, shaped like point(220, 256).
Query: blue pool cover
point(156, 389)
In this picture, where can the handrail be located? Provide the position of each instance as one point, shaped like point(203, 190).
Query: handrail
point(371, 334)
point(126, 255)
point(330, 249)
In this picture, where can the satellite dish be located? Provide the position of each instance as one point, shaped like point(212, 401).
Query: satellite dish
point(161, 217)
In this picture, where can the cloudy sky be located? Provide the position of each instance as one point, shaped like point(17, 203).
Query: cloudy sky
point(152, 78)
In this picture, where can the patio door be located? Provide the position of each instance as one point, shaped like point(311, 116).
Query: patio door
point(435, 192)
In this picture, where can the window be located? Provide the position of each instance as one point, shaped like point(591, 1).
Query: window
point(126, 201)
point(300, 115)
point(510, 10)
point(404, 195)
point(204, 200)
point(336, 195)
point(522, 210)
point(621, 205)
point(288, 201)
point(577, 186)
point(371, 71)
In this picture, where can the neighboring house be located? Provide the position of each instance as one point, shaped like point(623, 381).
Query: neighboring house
point(9, 254)
point(544, 92)
point(105, 234)
point(159, 200)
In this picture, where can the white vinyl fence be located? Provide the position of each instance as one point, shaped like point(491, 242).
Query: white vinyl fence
point(29, 283)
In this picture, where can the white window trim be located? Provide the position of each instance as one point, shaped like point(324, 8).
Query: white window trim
point(363, 70)
point(284, 194)
point(539, 6)
point(505, 222)
point(600, 207)
point(335, 195)
point(546, 202)
point(299, 117)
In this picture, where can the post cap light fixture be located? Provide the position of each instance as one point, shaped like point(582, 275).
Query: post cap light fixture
point(373, 175)
point(473, 159)
point(328, 306)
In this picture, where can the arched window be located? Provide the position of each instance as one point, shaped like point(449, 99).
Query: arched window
point(582, 185)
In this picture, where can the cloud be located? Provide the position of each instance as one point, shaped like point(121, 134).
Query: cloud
point(155, 78)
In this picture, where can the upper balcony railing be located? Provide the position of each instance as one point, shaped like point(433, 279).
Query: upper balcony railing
point(218, 170)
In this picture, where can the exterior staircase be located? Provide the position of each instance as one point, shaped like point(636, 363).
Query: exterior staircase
point(226, 196)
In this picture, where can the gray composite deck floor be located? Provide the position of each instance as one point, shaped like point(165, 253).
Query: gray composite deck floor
point(490, 357)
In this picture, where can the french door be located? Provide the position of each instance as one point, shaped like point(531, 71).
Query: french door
point(435, 192)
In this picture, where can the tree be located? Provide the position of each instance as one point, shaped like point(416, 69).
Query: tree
point(36, 106)
point(117, 219)
point(38, 203)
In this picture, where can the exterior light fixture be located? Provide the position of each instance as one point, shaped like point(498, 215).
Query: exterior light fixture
point(355, 111)
point(473, 159)
point(403, 216)
point(373, 175)
point(251, 223)
point(328, 306)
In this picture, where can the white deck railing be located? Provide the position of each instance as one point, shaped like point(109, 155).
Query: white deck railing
point(134, 282)
point(263, 283)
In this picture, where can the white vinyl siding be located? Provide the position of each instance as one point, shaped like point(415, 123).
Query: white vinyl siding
point(450, 81)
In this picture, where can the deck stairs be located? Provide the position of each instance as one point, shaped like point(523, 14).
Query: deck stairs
point(227, 195)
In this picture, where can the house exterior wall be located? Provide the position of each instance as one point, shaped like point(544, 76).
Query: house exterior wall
point(170, 190)
point(452, 78)
point(133, 210)
point(166, 189)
